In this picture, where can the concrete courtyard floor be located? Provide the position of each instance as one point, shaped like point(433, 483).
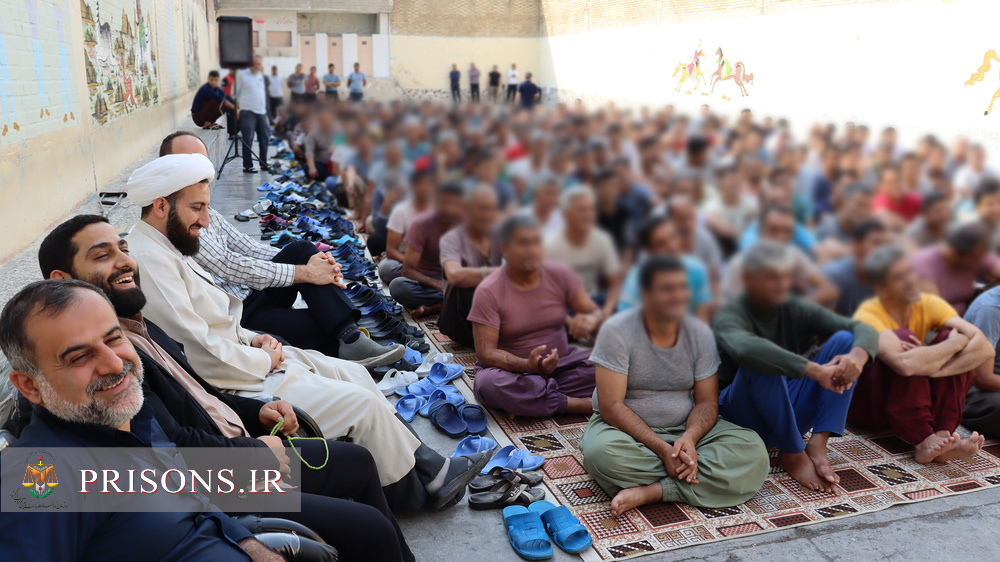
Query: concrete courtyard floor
point(958, 527)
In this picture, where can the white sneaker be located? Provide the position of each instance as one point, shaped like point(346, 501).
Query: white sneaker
point(394, 380)
point(433, 357)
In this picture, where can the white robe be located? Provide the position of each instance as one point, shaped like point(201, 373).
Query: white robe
point(341, 396)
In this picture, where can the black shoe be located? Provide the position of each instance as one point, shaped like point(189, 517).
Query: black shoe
point(454, 489)
point(249, 171)
point(267, 169)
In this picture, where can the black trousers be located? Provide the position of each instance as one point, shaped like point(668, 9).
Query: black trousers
point(250, 124)
point(273, 103)
point(474, 93)
point(455, 310)
point(315, 327)
point(344, 504)
point(511, 93)
point(456, 94)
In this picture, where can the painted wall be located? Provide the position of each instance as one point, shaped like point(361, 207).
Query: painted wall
point(86, 88)
point(904, 64)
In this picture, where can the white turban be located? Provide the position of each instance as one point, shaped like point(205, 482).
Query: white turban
point(167, 175)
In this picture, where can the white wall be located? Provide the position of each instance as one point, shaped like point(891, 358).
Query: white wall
point(903, 64)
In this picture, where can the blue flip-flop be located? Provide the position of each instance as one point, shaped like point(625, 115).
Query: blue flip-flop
point(524, 461)
point(444, 373)
point(446, 419)
point(565, 529)
point(423, 387)
point(413, 356)
point(474, 417)
point(474, 444)
point(501, 458)
point(526, 533)
point(443, 395)
point(408, 406)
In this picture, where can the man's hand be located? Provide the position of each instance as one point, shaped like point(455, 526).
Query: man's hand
point(582, 326)
point(258, 552)
point(273, 442)
point(543, 364)
point(271, 346)
point(273, 412)
point(312, 171)
point(955, 335)
point(911, 343)
point(824, 375)
point(685, 452)
point(670, 462)
point(321, 269)
point(848, 366)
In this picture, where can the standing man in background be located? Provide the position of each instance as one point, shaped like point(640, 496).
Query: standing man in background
point(494, 95)
point(331, 81)
point(297, 83)
point(529, 92)
point(275, 95)
point(356, 83)
point(312, 85)
point(251, 99)
point(456, 91)
point(512, 81)
point(474, 83)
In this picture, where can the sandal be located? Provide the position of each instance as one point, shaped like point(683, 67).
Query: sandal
point(408, 405)
point(498, 474)
point(506, 493)
point(526, 533)
point(474, 417)
point(565, 529)
point(446, 419)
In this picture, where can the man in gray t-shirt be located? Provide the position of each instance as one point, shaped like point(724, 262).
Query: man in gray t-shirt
point(656, 433)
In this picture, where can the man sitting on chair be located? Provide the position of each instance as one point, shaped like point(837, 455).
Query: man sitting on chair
point(657, 406)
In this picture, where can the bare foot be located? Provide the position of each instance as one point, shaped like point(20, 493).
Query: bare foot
point(964, 448)
point(927, 450)
point(422, 311)
point(817, 454)
point(630, 498)
point(800, 467)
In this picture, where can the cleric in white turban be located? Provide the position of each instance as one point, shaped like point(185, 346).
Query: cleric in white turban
point(167, 175)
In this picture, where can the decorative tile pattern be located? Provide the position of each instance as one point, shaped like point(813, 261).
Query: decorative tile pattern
point(787, 520)
point(853, 481)
point(855, 450)
point(838, 510)
point(562, 467)
point(936, 472)
point(663, 514)
point(713, 513)
point(603, 525)
point(977, 463)
point(892, 474)
point(584, 493)
point(684, 537)
point(769, 499)
point(964, 486)
point(541, 443)
point(741, 529)
point(802, 493)
point(922, 494)
point(893, 445)
point(629, 549)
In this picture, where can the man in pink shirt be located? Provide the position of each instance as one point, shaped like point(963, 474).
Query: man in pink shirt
point(520, 323)
point(950, 269)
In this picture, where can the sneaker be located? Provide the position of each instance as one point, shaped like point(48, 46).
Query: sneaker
point(368, 353)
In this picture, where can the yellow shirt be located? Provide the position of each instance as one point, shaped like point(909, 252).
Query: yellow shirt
point(927, 314)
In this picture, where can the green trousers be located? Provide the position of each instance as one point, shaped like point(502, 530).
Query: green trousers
point(732, 463)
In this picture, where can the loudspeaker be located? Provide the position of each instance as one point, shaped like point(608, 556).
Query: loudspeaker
point(235, 41)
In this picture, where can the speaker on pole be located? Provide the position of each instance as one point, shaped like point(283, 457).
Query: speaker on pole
point(235, 41)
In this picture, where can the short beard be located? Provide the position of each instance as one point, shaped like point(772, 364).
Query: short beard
point(180, 235)
point(114, 413)
point(127, 303)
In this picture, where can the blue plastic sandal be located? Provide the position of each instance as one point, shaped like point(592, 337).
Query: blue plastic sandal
point(446, 418)
point(524, 461)
point(474, 444)
point(526, 533)
point(441, 396)
point(501, 458)
point(408, 405)
point(413, 356)
point(565, 529)
point(474, 417)
point(423, 387)
point(444, 373)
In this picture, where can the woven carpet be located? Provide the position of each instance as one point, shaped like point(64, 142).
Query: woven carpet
point(876, 471)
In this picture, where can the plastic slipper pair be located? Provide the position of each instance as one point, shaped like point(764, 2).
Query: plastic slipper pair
point(506, 493)
point(433, 357)
point(441, 396)
point(408, 406)
point(498, 474)
point(458, 421)
point(444, 373)
point(394, 380)
point(526, 533)
point(413, 356)
point(513, 458)
point(565, 529)
point(474, 444)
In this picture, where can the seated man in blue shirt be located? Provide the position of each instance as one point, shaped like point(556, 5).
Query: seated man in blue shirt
point(72, 361)
point(777, 194)
point(658, 237)
point(210, 102)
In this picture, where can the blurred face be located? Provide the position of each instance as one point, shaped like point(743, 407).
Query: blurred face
point(938, 216)
point(298, 69)
point(213, 81)
point(685, 218)
point(891, 183)
point(972, 261)
point(483, 211)
point(312, 71)
point(668, 297)
point(449, 209)
point(547, 197)
point(977, 158)
point(423, 189)
point(103, 261)
point(858, 207)
point(900, 283)
point(663, 240)
point(872, 242)
point(187, 216)
point(258, 64)
point(769, 287)
point(909, 168)
point(89, 372)
point(357, 67)
point(989, 208)
point(778, 226)
point(581, 213)
point(524, 252)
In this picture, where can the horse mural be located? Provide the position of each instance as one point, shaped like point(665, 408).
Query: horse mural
point(988, 58)
point(690, 69)
point(727, 71)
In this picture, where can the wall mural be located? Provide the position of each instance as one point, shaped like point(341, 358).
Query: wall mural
point(191, 15)
point(6, 97)
point(121, 60)
point(988, 58)
point(725, 71)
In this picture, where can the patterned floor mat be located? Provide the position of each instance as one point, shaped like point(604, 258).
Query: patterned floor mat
point(876, 471)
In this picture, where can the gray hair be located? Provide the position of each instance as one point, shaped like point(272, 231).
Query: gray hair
point(486, 188)
point(49, 297)
point(516, 222)
point(876, 265)
point(767, 254)
point(573, 193)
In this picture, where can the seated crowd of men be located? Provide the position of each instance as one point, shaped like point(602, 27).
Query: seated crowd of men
point(703, 289)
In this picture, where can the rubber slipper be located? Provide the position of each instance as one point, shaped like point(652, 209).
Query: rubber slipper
point(474, 417)
point(423, 387)
point(446, 419)
point(500, 459)
point(485, 482)
point(444, 373)
point(526, 533)
point(394, 380)
point(413, 356)
point(407, 406)
point(565, 529)
point(441, 396)
point(433, 357)
point(504, 494)
point(524, 461)
point(474, 444)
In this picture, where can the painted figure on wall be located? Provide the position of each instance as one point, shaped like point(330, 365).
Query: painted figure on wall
point(727, 71)
point(6, 97)
point(988, 58)
point(36, 45)
point(121, 63)
point(690, 69)
point(191, 45)
point(62, 36)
